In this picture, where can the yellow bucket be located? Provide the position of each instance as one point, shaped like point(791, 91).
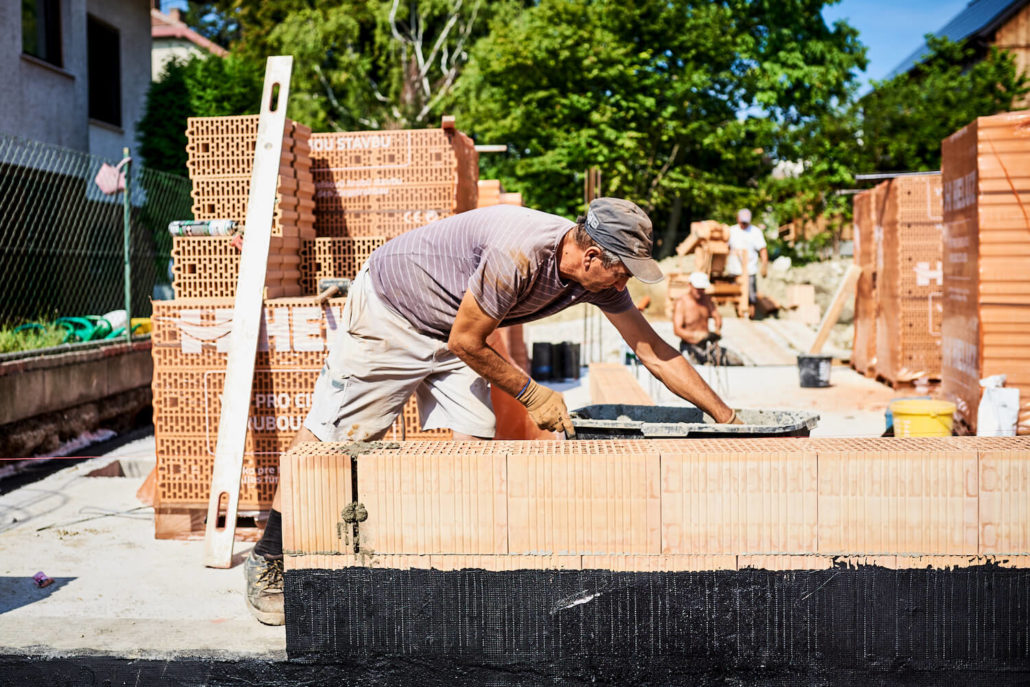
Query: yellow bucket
point(144, 325)
point(922, 418)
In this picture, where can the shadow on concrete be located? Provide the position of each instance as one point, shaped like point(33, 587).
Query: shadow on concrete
point(32, 504)
point(16, 592)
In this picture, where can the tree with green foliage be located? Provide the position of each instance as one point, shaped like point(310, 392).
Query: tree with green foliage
point(200, 87)
point(904, 119)
point(682, 104)
point(210, 21)
point(897, 127)
point(365, 64)
point(161, 133)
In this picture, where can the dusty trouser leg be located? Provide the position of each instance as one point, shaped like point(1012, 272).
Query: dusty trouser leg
point(373, 368)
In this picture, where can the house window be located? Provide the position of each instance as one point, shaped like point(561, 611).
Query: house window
point(105, 72)
point(41, 30)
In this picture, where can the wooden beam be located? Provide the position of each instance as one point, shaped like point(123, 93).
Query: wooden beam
point(246, 322)
point(846, 288)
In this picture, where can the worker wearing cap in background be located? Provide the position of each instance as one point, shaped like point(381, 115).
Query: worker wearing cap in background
point(748, 239)
point(418, 316)
point(690, 316)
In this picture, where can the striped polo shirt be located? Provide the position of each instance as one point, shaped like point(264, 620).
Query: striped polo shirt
point(504, 254)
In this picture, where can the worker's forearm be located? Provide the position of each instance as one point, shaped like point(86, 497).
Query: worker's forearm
point(489, 364)
point(684, 381)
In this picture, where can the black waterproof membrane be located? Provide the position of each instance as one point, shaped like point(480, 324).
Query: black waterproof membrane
point(669, 627)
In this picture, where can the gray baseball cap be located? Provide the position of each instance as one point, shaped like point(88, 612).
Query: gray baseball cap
point(623, 228)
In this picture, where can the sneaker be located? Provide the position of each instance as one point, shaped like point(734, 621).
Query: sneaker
point(265, 588)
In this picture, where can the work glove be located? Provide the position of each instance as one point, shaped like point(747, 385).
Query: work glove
point(547, 408)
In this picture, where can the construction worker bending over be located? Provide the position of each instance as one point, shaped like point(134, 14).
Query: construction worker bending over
point(418, 315)
point(690, 316)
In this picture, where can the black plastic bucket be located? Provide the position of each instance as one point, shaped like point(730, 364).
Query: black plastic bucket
point(814, 370)
point(558, 370)
point(541, 368)
point(565, 360)
point(572, 361)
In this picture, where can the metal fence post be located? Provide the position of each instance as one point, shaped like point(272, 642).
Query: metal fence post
point(126, 232)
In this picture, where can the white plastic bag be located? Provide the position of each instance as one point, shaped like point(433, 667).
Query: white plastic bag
point(998, 412)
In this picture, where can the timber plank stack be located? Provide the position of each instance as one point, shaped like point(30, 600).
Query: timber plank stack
point(909, 280)
point(986, 328)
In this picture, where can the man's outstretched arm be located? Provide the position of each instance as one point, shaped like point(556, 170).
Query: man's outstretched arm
point(671, 368)
point(468, 337)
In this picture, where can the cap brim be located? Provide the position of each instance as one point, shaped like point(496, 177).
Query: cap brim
point(644, 269)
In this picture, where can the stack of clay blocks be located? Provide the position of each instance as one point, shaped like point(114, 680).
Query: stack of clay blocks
point(986, 169)
point(338, 258)
point(661, 505)
point(190, 348)
point(220, 161)
point(491, 193)
point(384, 183)
point(909, 280)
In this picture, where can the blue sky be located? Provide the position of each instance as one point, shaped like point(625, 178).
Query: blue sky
point(892, 29)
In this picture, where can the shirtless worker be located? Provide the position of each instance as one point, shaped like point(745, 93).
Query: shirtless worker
point(418, 315)
point(690, 323)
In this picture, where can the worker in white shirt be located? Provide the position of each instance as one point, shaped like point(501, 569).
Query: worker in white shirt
point(746, 238)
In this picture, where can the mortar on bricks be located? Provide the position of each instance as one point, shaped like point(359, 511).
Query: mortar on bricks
point(622, 421)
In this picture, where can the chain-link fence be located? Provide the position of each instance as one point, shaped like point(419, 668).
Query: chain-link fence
point(61, 237)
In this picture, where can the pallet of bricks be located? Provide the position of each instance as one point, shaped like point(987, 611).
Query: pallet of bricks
point(190, 349)
point(384, 183)
point(986, 328)
point(491, 193)
point(220, 159)
point(865, 212)
point(191, 333)
point(909, 281)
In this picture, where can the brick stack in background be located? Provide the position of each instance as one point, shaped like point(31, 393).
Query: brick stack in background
point(986, 328)
point(863, 350)
point(220, 161)
point(384, 183)
point(909, 281)
point(491, 193)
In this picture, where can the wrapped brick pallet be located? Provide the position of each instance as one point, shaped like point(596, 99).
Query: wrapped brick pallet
point(908, 280)
point(384, 183)
point(986, 328)
point(190, 349)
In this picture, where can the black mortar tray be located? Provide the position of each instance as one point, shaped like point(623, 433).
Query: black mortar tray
point(622, 421)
